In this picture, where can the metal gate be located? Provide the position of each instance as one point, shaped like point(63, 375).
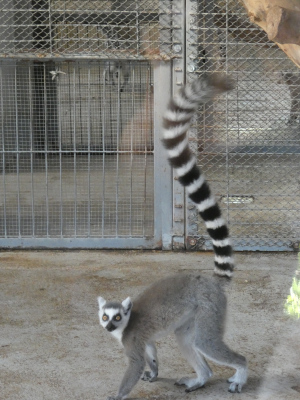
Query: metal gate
point(83, 85)
point(248, 142)
point(80, 133)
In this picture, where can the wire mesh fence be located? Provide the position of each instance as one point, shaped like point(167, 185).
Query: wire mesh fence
point(77, 141)
point(248, 142)
point(77, 150)
point(109, 29)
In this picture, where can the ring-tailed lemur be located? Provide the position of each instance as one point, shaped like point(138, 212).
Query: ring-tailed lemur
point(191, 306)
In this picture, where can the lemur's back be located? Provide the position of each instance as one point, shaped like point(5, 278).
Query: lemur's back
point(170, 301)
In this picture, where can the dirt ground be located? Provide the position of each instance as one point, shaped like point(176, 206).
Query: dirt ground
point(52, 347)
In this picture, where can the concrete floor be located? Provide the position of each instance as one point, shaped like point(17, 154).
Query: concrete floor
point(52, 346)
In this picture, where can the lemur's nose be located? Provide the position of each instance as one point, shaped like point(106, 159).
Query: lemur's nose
point(110, 327)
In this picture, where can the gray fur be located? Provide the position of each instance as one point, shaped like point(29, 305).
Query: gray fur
point(194, 308)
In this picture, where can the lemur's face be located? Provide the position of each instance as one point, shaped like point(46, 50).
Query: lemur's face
point(114, 316)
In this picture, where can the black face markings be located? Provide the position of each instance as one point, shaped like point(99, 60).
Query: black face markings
point(110, 327)
point(117, 317)
point(105, 317)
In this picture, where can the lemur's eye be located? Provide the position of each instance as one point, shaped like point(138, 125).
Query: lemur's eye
point(105, 317)
point(117, 317)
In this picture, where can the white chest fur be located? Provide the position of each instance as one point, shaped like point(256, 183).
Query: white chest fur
point(118, 333)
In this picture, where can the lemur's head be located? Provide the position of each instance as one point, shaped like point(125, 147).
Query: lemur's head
point(114, 316)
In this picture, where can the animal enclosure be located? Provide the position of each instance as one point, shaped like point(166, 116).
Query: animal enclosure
point(83, 87)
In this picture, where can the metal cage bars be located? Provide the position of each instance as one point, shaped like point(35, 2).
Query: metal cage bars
point(78, 155)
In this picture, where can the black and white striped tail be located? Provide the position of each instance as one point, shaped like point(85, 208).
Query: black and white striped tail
point(177, 120)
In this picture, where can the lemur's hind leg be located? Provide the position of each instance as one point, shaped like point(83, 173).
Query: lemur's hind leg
point(151, 358)
point(185, 336)
point(209, 341)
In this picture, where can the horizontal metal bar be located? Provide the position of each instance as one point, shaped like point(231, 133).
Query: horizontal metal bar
point(247, 244)
point(80, 151)
point(42, 55)
point(80, 243)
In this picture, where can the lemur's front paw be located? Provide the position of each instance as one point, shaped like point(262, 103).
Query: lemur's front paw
point(149, 376)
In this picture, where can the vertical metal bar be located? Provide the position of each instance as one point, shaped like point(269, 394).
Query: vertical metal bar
point(146, 153)
point(80, 106)
point(138, 45)
point(103, 147)
point(178, 79)
point(89, 149)
point(18, 154)
point(74, 148)
point(133, 95)
point(163, 209)
point(3, 153)
point(195, 37)
point(50, 27)
point(151, 140)
point(31, 106)
point(118, 149)
point(70, 104)
point(227, 118)
point(46, 146)
point(59, 95)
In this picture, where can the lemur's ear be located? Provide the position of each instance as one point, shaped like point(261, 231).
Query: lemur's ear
point(101, 301)
point(127, 305)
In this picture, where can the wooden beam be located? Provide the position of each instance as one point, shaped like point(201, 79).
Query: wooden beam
point(283, 25)
point(280, 19)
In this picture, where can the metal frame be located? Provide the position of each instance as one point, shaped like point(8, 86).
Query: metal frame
point(178, 80)
point(34, 36)
point(162, 215)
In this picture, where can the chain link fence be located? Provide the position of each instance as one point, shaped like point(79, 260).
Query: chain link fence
point(116, 29)
point(248, 142)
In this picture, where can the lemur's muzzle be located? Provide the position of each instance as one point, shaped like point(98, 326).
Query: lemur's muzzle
point(110, 327)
